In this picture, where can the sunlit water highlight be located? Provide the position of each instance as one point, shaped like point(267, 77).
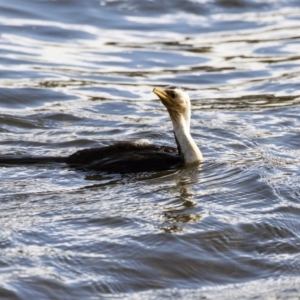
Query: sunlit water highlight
point(79, 74)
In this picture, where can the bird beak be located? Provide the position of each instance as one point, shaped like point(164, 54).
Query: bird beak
point(163, 96)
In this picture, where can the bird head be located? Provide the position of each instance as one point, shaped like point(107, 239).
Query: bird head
point(177, 101)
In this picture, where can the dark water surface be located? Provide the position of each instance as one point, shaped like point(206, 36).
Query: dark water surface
point(78, 74)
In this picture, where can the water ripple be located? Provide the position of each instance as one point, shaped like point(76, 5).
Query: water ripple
point(80, 74)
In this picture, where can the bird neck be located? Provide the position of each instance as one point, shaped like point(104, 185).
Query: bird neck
point(187, 146)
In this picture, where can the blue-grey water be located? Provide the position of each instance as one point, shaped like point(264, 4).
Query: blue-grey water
point(77, 74)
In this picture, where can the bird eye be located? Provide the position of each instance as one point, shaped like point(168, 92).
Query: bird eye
point(172, 94)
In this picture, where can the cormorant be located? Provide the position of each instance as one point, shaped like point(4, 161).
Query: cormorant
point(131, 157)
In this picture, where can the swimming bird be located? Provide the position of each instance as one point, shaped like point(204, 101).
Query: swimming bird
point(132, 157)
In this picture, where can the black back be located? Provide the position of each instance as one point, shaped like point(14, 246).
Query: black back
point(124, 157)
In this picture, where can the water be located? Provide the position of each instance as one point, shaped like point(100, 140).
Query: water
point(78, 74)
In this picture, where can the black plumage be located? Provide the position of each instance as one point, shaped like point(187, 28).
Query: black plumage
point(122, 157)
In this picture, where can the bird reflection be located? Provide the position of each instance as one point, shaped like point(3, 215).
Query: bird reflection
point(178, 216)
point(183, 208)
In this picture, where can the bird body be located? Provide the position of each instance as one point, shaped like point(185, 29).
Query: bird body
point(124, 156)
point(131, 157)
point(117, 158)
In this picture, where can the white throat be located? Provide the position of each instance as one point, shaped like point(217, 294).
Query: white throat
point(189, 150)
